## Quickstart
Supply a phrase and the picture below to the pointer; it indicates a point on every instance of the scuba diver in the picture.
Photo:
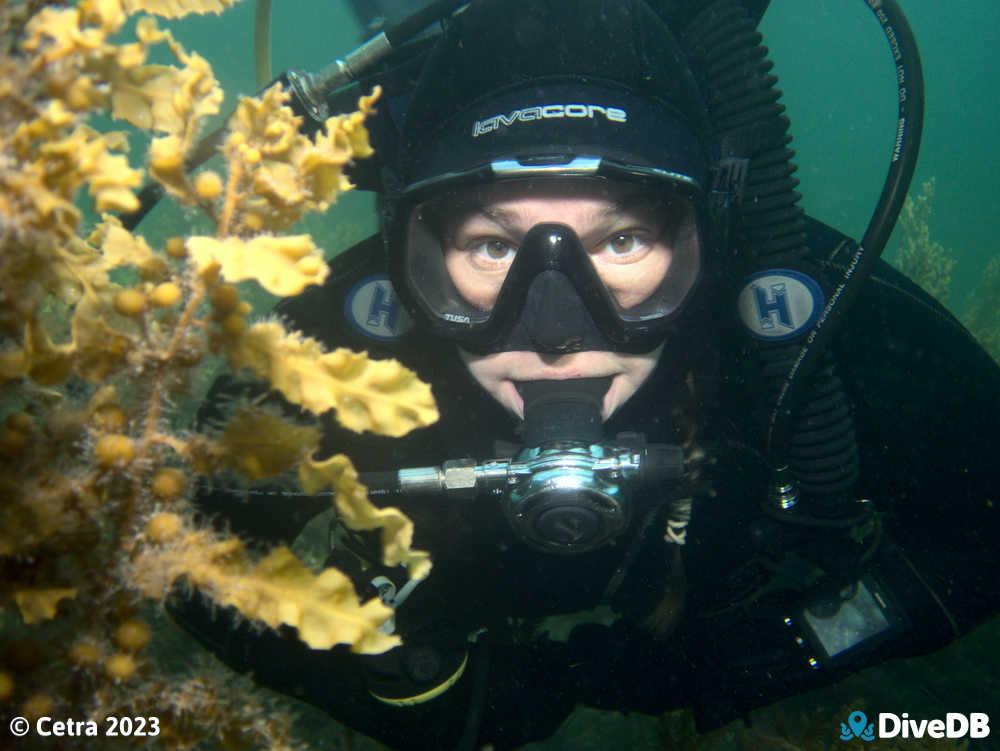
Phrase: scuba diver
(696, 449)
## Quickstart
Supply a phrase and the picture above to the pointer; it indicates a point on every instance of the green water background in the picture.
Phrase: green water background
(838, 80)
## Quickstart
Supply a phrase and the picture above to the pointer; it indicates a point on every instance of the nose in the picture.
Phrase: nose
(554, 315)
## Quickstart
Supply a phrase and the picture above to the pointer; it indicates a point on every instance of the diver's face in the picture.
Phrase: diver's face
(623, 234)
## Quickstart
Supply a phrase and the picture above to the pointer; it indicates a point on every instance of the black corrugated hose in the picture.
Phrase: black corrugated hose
(809, 424)
(909, 78)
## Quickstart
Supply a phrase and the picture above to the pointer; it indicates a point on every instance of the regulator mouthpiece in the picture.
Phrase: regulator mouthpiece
(567, 410)
(561, 504)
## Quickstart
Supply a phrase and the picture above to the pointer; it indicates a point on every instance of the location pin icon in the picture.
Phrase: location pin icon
(857, 721)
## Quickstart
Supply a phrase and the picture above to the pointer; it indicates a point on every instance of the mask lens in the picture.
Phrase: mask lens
(428, 274)
(643, 243)
(649, 268)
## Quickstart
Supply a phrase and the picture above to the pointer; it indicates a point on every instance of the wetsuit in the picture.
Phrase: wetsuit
(926, 409)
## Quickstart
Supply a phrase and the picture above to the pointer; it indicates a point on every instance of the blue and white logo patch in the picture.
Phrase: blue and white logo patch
(779, 304)
(373, 308)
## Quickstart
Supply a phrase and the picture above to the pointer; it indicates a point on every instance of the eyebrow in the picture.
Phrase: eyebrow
(508, 219)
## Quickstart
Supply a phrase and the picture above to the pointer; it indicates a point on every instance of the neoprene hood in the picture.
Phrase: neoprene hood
(528, 78)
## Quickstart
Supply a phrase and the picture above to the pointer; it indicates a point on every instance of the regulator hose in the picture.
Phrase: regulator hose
(749, 123)
(910, 84)
(809, 428)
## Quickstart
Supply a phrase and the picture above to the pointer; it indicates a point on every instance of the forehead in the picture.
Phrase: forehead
(553, 189)
(601, 197)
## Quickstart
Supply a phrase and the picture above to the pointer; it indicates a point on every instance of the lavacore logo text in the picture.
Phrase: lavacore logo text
(548, 112)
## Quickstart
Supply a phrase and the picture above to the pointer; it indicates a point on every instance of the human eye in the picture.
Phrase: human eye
(490, 253)
(624, 247)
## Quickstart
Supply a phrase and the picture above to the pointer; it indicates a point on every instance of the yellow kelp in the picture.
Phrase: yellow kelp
(103, 331)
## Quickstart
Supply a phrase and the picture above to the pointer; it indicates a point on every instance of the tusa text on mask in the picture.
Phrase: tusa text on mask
(954, 725)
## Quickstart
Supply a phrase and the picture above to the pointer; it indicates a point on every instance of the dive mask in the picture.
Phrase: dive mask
(543, 288)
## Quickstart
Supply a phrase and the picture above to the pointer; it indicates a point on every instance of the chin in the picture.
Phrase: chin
(498, 373)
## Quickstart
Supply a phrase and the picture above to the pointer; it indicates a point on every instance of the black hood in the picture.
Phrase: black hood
(612, 73)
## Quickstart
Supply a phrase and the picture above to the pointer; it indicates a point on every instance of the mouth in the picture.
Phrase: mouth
(500, 373)
(601, 388)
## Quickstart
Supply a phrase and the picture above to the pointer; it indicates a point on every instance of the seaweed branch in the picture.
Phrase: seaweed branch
(926, 262)
(101, 333)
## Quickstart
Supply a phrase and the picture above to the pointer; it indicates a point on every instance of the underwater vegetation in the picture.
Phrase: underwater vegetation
(930, 265)
(101, 337)
(925, 261)
(982, 313)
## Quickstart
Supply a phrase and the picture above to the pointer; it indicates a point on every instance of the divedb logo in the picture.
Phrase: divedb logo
(954, 725)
